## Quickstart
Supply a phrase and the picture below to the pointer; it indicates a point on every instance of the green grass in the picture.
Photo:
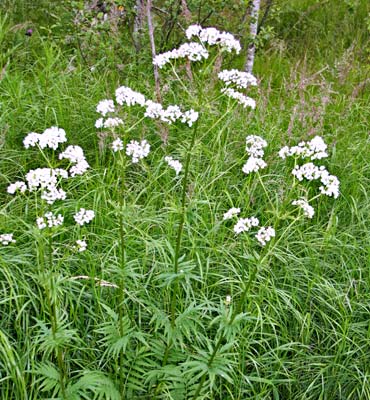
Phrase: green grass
(297, 326)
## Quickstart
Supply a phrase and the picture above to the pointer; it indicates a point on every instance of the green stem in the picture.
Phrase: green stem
(181, 222)
(223, 337)
(54, 322)
(122, 262)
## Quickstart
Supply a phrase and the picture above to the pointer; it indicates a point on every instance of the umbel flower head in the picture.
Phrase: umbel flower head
(265, 234)
(137, 150)
(6, 239)
(84, 216)
(49, 220)
(51, 137)
(175, 164)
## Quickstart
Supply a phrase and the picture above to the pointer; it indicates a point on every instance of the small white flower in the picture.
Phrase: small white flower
(31, 140)
(17, 186)
(99, 123)
(213, 36)
(192, 51)
(309, 171)
(242, 80)
(76, 156)
(245, 101)
(228, 300)
(254, 145)
(51, 137)
(84, 216)
(331, 184)
(6, 239)
(315, 149)
(49, 220)
(81, 245)
(308, 210)
(189, 117)
(231, 213)
(153, 109)
(41, 224)
(104, 107)
(125, 95)
(265, 234)
(245, 224)
(117, 145)
(193, 30)
(52, 194)
(253, 164)
(112, 122)
(137, 150)
(175, 164)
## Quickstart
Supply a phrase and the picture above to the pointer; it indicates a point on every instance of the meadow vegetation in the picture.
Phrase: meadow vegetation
(151, 278)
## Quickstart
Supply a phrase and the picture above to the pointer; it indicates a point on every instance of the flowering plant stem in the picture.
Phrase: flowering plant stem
(181, 222)
(179, 237)
(51, 303)
(222, 337)
(121, 182)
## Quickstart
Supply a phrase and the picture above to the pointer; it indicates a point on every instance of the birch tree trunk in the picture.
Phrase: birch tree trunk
(152, 44)
(253, 32)
(138, 23)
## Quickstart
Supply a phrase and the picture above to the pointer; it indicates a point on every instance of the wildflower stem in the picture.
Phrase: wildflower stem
(236, 311)
(122, 262)
(181, 222)
(54, 321)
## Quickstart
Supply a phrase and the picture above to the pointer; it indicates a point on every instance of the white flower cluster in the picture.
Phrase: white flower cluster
(52, 194)
(308, 171)
(253, 164)
(315, 149)
(245, 224)
(175, 164)
(117, 145)
(46, 179)
(231, 213)
(111, 122)
(83, 216)
(308, 210)
(6, 238)
(213, 36)
(14, 187)
(104, 107)
(49, 220)
(311, 172)
(51, 137)
(137, 150)
(170, 114)
(81, 245)
(192, 51)
(245, 101)
(254, 147)
(241, 79)
(265, 234)
(125, 95)
(76, 156)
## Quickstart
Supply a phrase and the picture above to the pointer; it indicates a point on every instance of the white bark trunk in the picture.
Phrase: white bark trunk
(152, 44)
(138, 23)
(253, 32)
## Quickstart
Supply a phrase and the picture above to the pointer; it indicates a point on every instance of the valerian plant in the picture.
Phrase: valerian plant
(170, 320)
